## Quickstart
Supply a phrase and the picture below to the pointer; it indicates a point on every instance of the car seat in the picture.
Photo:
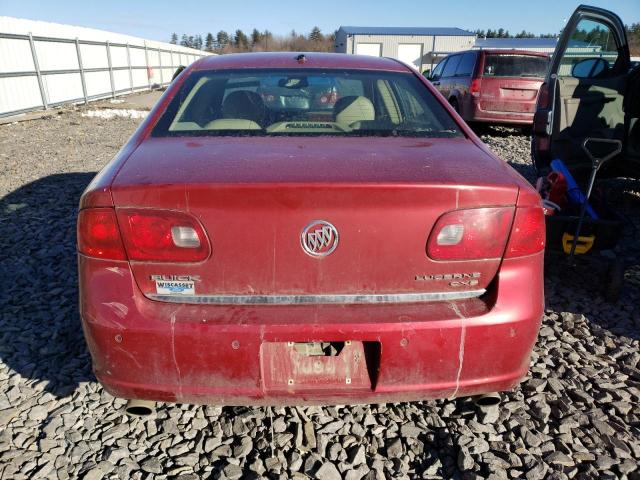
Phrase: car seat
(241, 110)
(351, 111)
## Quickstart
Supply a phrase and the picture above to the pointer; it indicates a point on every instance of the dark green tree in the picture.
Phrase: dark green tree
(256, 37)
(174, 38)
(223, 38)
(197, 42)
(316, 35)
(240, 40)
(208, 43)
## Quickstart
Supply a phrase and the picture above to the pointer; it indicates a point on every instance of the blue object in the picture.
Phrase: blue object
(574, 194)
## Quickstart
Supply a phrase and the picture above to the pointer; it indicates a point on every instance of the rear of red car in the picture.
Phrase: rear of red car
(258, 269)
(506, 85)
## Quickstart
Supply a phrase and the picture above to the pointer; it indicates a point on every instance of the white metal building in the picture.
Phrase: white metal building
(422, 47)
(46, 64)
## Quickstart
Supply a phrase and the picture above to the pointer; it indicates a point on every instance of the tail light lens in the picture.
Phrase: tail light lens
(543, 96)
(162, 236)
(470, 234)
(98, 234)
(528, 232)
(542, 116)
(328, 98)
(474, 88)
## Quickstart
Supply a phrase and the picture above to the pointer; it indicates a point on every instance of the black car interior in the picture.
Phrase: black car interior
(368, 103)
(596, 97)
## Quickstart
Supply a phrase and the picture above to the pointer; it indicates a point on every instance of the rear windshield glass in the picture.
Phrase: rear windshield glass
(515, 66)
(304, 102)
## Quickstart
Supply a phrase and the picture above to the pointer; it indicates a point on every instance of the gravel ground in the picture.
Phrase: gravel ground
(576, 415)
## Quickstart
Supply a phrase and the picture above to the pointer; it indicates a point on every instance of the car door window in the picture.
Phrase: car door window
(465, 67)
(451, 66)
(591, 52)
(437, 72)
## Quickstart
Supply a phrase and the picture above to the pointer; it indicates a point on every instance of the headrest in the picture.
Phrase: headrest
(243, 104)
(349, 110)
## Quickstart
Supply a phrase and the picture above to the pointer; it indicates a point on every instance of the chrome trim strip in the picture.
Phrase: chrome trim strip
(349, 299)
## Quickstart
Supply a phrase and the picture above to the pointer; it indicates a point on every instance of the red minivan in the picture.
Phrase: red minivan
(492, 86)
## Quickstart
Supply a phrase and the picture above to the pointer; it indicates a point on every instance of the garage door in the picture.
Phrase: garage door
(373, 49)
(410, 53)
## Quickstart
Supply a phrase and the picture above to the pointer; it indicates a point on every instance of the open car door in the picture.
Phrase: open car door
(584, 96)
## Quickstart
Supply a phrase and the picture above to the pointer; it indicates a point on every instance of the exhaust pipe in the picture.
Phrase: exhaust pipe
(487, 401)
(140, 408)
(488, 406)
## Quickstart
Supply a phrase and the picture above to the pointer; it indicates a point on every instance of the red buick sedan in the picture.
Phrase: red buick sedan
(234, 253)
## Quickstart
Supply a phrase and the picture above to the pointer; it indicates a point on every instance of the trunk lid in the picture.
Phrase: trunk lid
(514, 95)
(254, 197)
(511, 81)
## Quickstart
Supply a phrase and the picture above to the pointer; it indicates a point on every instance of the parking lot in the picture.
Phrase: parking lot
(575, 415)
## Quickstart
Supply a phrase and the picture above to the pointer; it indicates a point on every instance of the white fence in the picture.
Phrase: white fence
(41, 71)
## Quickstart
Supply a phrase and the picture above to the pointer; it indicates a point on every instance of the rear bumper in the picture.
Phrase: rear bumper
(218, 354)
(502, 117)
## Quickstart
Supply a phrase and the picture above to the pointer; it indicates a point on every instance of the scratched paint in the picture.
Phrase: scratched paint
(118, 308)
(173, 354)
(463, 334)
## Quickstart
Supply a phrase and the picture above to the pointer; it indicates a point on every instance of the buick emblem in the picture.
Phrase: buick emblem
(319, 238)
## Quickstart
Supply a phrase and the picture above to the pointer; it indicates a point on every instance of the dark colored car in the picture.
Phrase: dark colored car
(492, 86)
(236, 255)
(590, 91)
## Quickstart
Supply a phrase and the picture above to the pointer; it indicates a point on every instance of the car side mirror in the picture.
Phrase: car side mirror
(589, 68)
(178, 71)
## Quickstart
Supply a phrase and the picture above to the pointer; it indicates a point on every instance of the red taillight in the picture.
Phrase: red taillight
(328, 98)
(542, 118)
(98, 234)
(162, 236)
(474, 88)
(528, 232)
(541, 144)
(543, 96)
(470, 234)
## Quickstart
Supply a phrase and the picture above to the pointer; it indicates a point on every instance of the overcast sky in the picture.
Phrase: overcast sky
(157, 19)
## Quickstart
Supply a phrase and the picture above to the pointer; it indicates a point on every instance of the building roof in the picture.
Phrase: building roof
(22, 26)
(523, 43)
(415, 31)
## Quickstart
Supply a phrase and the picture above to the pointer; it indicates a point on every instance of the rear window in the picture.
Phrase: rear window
(304, 102)
(503, 65)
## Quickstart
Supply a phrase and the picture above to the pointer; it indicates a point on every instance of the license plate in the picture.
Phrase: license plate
(299, 367)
